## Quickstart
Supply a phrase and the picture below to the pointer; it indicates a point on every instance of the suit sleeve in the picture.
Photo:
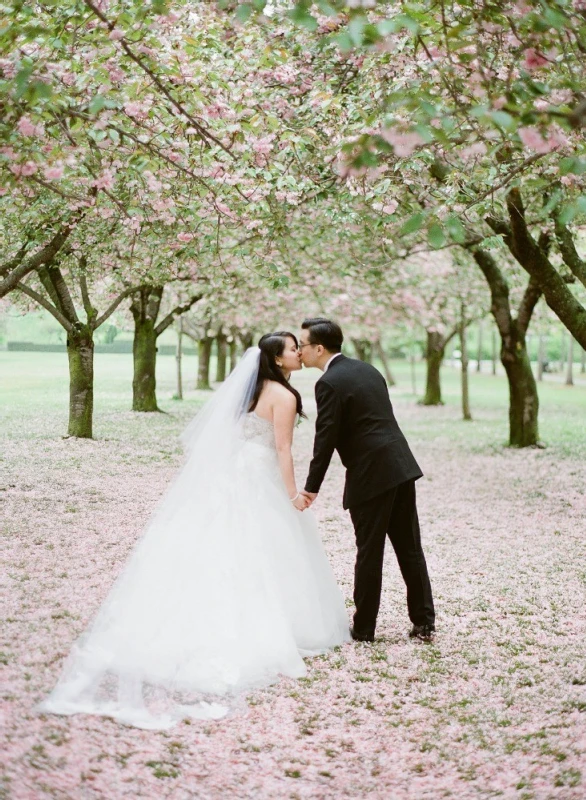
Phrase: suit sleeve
(327, 426)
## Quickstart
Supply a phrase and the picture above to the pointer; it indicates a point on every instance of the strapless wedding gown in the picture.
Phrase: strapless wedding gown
(228, 588)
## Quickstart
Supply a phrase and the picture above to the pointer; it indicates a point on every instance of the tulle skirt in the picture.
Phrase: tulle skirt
(228, 588)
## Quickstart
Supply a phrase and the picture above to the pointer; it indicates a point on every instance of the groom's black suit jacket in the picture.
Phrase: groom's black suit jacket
(355, 417)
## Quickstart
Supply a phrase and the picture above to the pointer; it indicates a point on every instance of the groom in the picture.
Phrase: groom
(355, 417)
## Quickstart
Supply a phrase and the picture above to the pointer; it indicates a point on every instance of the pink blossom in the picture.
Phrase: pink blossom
(53, 173)
(403, 143)
(137, 109)
(26, 127)
(390, 207)
(263, 145)
(224, 209)
(105, 180)
(185, 237)
(9, 152)
(476, 149)
(533, 59)
(8, 68)
(532, 138)
(153, 183)
(116, 35)
(26, 169)
(115, 73)
(133, 109)
(557, 137)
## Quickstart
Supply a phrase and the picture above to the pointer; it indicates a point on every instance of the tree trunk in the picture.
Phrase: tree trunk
(534, 258)
(562, 353)
(540, 357)
(363, 350)
(523, 398)
(179, 359)
(145, 310)
(493, 353)
(204, 351)
(80, 352)
(436, 347)
(413, 372)
(246, 339)
(464, 361)
(144, 351)
(233, 354)
(570, 366)
(222, 354)
(479, 350)
(385, 363)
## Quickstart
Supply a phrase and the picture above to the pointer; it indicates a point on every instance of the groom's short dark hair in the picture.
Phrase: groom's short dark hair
(325, 332)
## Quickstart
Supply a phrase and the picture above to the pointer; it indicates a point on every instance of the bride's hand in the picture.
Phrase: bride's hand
(301, 503)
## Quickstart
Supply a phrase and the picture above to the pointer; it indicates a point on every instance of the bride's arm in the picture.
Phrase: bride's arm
(284, 411)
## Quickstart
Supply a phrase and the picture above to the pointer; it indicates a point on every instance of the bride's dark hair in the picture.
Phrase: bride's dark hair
(271, 347)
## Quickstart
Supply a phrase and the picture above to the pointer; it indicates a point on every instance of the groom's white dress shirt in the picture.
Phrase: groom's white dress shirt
(330, 361)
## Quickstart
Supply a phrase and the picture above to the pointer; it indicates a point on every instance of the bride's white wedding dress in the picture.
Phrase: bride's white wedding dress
(228, 588)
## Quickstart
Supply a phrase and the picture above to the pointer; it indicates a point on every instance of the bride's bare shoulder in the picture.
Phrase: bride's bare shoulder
(279, 393)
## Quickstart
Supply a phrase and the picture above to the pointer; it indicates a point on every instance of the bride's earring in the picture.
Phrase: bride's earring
(279, 363)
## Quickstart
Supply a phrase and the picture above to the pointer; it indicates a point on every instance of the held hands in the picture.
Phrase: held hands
(303, 500)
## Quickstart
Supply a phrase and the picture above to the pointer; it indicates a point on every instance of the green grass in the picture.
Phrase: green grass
(562, 415)
(41, 380)
(37, 384)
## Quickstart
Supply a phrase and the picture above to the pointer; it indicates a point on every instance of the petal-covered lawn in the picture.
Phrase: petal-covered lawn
(496, 707)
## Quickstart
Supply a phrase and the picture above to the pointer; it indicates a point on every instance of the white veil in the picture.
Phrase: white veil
(212, 432)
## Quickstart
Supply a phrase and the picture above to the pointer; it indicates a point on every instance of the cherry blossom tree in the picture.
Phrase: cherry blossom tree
(63, 289)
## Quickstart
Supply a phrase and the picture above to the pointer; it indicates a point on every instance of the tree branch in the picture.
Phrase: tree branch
(85, 295)
(49, 288)
(43, 256)
(112, 308)
(15, 261)
(530, 297)
(154, 298)
(521, 239)
(205, 135)
(499, 289)
(535, 262)
(568, 251)
(38, 298)
(66, 304)
(177, 312)
(449, 337)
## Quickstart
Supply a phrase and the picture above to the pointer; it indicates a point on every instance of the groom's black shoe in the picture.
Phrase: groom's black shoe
(422, 632)
(361, 637)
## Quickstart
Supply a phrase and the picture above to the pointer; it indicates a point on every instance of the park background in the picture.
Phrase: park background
(177, 179)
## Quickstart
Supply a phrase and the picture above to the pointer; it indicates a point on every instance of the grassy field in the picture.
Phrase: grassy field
(38, 383)
(493, 709)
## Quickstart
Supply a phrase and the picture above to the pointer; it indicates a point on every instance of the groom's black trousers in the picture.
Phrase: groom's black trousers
(392, 514)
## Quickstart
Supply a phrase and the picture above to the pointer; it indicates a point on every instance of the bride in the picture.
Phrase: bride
(229, 586)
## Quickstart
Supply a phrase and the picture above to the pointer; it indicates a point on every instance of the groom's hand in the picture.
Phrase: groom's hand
(301, 503)
(309, 495)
